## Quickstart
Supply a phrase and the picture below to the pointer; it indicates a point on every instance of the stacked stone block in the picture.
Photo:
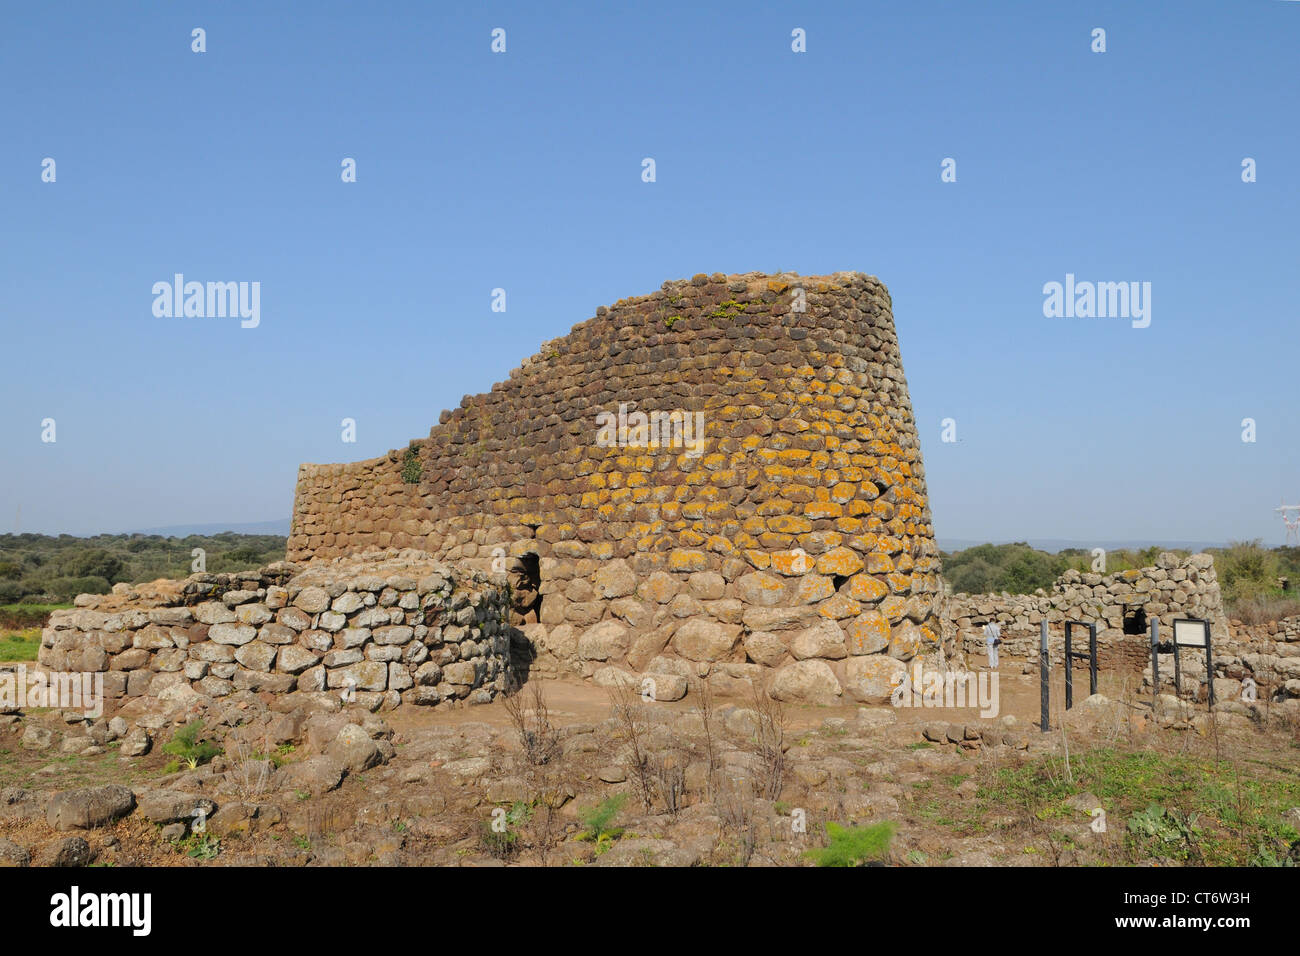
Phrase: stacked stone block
(379, 629)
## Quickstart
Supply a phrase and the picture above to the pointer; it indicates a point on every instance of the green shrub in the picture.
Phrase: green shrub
(412, 469)
(1016, 568)
(597, 820)
(68, 588)
(1246, 570)
(189, 745)
(91, 563)
(854, 846)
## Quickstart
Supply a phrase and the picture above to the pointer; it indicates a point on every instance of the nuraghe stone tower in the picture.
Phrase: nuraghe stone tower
(715, 480)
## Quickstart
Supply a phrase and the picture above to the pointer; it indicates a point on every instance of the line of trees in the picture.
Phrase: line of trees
(39, 569)
(1248, 571)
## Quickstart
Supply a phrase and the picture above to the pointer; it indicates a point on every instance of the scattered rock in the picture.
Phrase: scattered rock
(11, 854)
(36, 737)
(73, 851)
(170, 806)
(136, 744)
(89, 808)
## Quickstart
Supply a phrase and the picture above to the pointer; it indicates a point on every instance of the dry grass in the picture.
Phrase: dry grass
(1262, 609)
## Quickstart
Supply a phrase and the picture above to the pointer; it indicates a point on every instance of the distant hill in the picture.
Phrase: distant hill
(1055, 545)
(279, 527)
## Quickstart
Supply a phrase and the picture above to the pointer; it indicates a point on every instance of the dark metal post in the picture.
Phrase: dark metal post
(1209, 665)
(1044, 690)
(1178, 667)
(1069, 669)
(1155, 661)
(1092, 658)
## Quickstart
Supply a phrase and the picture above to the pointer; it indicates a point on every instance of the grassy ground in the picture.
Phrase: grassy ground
(20, 629)
(20, 645)
(1179, 809)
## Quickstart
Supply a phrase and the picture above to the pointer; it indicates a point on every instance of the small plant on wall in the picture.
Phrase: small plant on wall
(411, 467)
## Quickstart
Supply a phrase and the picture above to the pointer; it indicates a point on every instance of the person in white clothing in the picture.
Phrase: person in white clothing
(992, 638)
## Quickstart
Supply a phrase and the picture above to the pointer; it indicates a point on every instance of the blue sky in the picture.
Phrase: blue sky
(522, 171)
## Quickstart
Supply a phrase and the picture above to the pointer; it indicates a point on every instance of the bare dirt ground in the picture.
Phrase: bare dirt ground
(600, 777)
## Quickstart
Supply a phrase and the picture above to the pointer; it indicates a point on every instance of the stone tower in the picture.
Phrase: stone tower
(720, 477)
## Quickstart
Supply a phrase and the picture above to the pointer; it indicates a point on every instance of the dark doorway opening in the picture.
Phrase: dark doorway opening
(525, 608)
(527, 584)
(1135, 621)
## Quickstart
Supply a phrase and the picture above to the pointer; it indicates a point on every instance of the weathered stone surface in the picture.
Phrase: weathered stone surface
(871, 679)
(89, 808)
(136, 743)
(765, 648)
(256, 656)
(169, 806)
(663, 686)
(72, 851)
(354, 749)
(806, 682)
(11, 854)
(603, 641)
(825, 639)
(293, 659)
(213, 612)
(312, 600)
(347, 602)
(615, 580)
(36, 737)
(761, 589)
(366, 675)
(232, 634)
(316, 775)
(703, 640)
(868, 633)
(254, 614)
(659, 587)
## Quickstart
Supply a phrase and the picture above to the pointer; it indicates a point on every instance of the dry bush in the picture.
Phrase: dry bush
(627, 709)
(547, 829)
(708, 719)
(549, 786)
(249, 768)
(530, 717)
(734, 802)
(323, 821)
(669, 774)
(769, 743)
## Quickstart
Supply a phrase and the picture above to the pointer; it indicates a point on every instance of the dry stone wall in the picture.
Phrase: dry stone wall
(380, 629)
(1173, 588)
(782, 522)
(1267, 655)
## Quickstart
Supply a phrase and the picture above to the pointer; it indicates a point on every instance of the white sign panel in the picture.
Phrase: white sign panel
(1191, 633)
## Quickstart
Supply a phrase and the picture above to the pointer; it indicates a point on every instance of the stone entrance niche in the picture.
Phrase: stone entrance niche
(527, 584)
(1135, 621)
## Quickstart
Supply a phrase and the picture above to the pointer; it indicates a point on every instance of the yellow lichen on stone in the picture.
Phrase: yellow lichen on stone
(841, 561)
(864, 588)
